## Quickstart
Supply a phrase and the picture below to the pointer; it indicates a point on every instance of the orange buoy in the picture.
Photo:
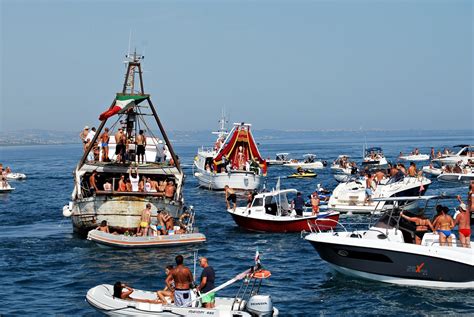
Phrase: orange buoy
(261, 274)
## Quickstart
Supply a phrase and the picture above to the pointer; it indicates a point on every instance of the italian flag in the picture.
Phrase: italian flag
(122, 104)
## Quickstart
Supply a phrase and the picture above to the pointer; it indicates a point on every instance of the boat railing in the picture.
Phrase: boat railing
(345, 227)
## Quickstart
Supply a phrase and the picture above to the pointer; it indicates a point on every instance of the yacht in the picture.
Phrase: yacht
(349, 197)
(461, 157)
(374, 158)
(386, 251)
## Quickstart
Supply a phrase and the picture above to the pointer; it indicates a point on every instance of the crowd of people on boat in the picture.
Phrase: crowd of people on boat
(129, 147)
(179, 283)
(134, 183)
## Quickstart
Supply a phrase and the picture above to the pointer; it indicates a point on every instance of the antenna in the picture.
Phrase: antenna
(129, 41)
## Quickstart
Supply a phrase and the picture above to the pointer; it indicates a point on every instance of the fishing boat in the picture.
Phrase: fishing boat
(309, 161)
(271, 212)
(234, 161)
(246, 303)
(460, 157)
(374, 158)
(387, 252)
(350, 197)
(280, 159)
(112, 199)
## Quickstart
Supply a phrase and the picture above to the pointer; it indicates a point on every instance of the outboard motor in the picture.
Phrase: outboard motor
(260, 305)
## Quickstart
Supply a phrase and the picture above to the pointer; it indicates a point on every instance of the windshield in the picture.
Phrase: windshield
(257, 202)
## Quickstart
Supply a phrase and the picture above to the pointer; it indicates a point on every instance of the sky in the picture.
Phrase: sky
(289, 65)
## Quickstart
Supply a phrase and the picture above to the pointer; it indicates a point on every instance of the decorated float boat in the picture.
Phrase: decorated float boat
(271, 212)
(113, 200)
(234, 161)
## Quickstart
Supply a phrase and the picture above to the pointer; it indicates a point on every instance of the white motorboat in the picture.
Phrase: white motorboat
(462, 157)
(5, 187)
(280, 159)
(374, 158)
(465, 177)
(271, 212)
(119, 204)
(309, 162)
(350, 197)
(434, 169)
(247, 302)
(387, 252)
(414, 157)
(342, 165)
(15, 176)
(234, 161)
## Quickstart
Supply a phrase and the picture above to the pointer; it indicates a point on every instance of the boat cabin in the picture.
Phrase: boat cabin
(273, 203)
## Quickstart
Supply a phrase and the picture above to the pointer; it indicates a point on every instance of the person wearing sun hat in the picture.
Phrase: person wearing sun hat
(83, 134)
(463, 221)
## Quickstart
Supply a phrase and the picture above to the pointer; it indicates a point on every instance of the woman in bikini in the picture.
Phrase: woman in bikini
(169, 288)
(422, 225)
(443, 224)
(120, 293)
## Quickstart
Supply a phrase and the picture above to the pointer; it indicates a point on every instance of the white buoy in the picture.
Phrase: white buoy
(66, 211)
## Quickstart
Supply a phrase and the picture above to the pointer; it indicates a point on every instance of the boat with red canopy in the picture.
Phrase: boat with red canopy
(234, 161)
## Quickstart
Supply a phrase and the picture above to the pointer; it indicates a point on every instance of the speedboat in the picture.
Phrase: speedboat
(309, 161)
(121, 206)
(414, 157)
(246, 303)
(5, 187)
(280, 159)
(271, 212)
(466, 176)
(461, 157)
(434, 169)
(234, 161)
(342, 165)
(15, 176)
(386, 252)
(374, 158)
(350, 197)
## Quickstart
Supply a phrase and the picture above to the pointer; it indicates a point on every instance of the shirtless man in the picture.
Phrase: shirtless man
(145, 220)
(103, 227)
(315, 203)
(154, 186)
(369, 189)
(161, 186)
(83, 136)
(93, 183)
(169, 190)
(128, 186)
(182, 280)
(104, 142)
(230, 197)
(122, 187)
(379, 175)
(119, 144)
(141, 145)
(412, 170)
(443, 224)
(463, 220)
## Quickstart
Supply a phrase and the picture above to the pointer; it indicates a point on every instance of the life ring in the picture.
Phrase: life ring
(261, 274)
(184, 217)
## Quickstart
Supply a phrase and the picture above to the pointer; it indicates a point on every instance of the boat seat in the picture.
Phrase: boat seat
(432, 239)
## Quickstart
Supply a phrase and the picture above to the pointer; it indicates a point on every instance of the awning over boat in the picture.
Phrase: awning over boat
(122, 103)
(240, 146)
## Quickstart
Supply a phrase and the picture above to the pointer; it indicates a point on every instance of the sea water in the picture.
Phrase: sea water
(46, 269)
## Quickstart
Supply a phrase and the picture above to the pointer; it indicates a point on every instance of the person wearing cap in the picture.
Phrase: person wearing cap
(297, 204)
(463, 221)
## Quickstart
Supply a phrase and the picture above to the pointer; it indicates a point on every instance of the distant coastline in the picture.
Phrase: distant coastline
(50, 137)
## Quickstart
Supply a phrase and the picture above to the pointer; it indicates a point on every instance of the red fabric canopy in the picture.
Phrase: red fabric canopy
(240, 148)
